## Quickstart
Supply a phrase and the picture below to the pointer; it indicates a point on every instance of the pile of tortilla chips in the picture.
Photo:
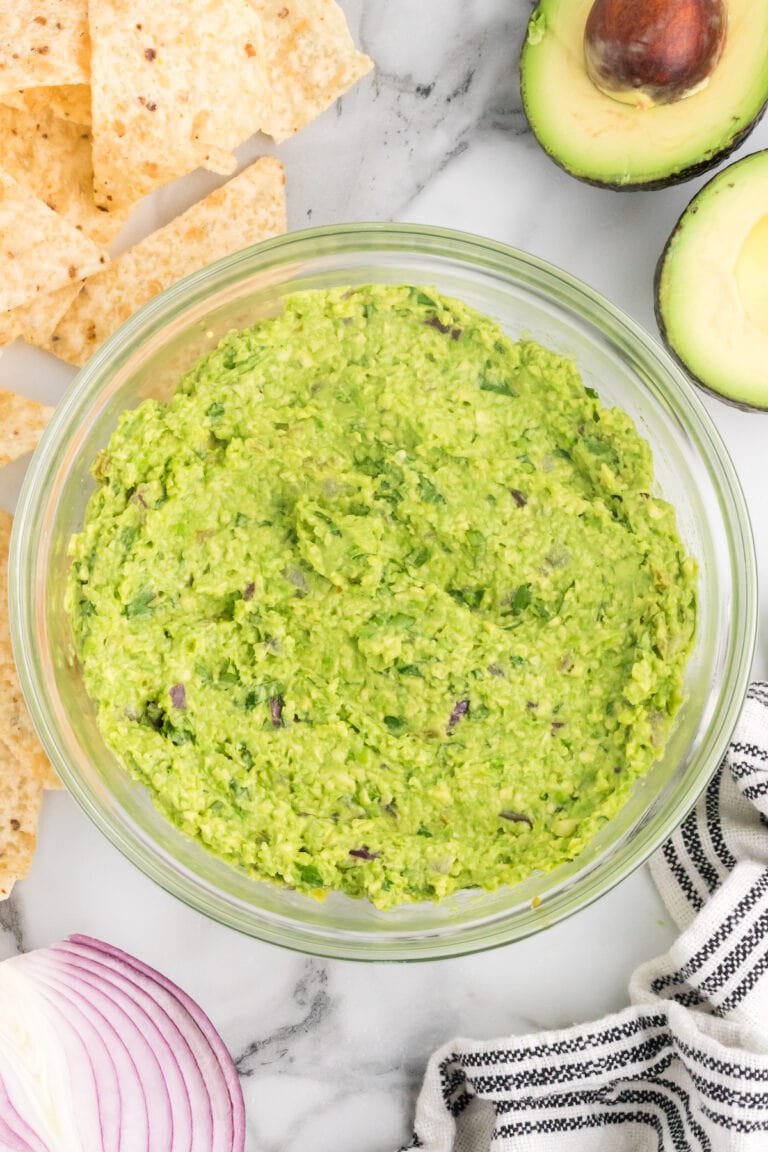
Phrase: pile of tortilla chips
(24, 767)
(102, 101)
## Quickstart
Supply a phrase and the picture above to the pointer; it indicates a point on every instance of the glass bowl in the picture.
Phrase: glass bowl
(147, 356)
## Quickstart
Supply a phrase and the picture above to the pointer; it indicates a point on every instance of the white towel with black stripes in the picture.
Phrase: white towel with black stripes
(685, 1067)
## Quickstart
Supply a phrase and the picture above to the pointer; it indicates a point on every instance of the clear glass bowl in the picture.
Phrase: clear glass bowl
(146, 358)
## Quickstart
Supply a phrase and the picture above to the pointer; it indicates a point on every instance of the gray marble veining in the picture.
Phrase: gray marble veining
(444, 72)
(11, 927)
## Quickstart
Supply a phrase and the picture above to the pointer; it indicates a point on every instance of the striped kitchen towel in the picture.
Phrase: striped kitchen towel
(685, 1067)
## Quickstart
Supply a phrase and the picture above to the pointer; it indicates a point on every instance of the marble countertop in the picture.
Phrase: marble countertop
(331, 1054)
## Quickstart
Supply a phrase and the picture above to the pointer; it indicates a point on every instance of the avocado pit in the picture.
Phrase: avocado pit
(598, 138)
(651, 52)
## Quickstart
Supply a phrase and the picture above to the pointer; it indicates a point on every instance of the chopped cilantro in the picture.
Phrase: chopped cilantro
(309, 874)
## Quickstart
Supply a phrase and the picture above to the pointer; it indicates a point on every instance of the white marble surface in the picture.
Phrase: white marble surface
(331, 1054)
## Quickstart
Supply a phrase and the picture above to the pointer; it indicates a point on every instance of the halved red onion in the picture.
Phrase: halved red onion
(98, 1051)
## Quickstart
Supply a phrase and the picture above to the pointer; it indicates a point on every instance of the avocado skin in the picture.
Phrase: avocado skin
(678, 177)
(660, 321)
(692, 375)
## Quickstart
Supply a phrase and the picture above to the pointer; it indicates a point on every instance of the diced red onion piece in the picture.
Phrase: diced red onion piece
(179, 696)
(460, 709)
(364, 853)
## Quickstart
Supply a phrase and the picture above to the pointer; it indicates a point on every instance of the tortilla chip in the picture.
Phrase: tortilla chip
(9, 325)
(20, 797)
(52, 158)
(311, 61)
(174, 85)
(17, 736)
(24, 768)
(68, 102)
(36, 322)
(21, 425)
(39, 249)
(43, 42)
(251, 207)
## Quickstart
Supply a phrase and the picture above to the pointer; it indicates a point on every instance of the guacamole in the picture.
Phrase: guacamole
(382, 601)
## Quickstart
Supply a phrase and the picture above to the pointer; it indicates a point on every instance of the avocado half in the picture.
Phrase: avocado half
(615, 145)
(711, 285)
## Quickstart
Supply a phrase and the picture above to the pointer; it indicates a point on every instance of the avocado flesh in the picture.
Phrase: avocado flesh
(605, 142)
(712, 285)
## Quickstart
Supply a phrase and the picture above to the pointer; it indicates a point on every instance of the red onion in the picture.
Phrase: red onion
(100, 1052)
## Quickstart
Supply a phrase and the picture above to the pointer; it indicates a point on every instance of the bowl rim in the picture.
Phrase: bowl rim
(480, 253)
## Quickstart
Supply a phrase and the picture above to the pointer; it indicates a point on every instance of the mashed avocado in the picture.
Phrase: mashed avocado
(382, 601)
